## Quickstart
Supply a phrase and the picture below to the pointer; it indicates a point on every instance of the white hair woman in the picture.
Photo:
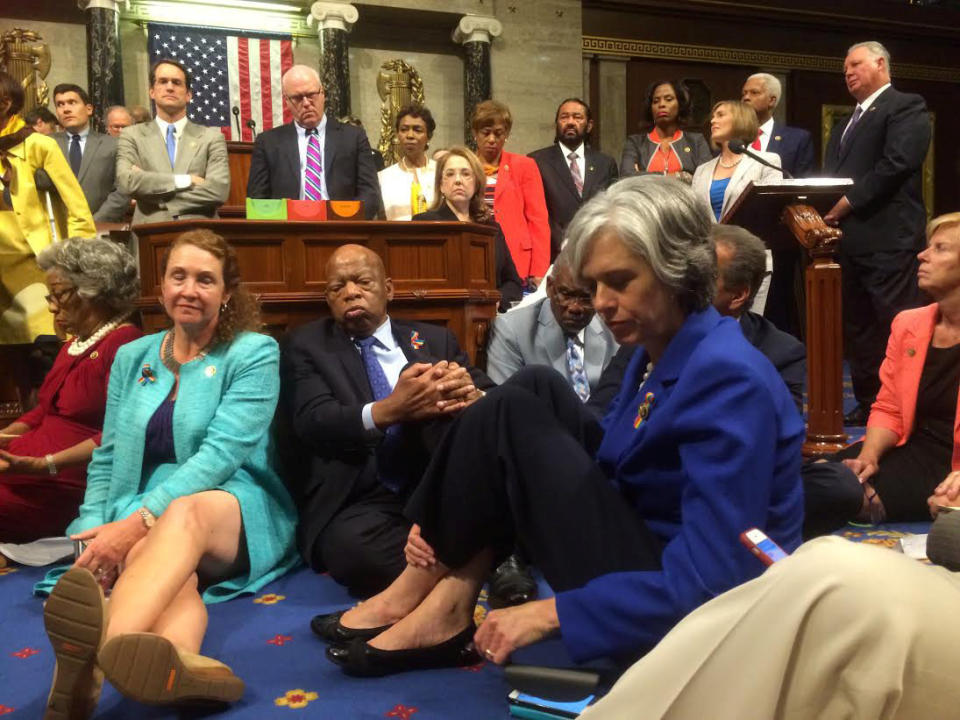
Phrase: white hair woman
(634, 522)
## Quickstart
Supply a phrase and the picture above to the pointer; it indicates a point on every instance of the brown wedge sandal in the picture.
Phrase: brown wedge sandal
(75, 619)
(148, 668)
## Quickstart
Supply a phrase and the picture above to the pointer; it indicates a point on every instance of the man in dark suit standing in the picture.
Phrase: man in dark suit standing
(882, 148)
(315, 157)
(572, 173)
(762, 92)
(365, 398)
(92, 155)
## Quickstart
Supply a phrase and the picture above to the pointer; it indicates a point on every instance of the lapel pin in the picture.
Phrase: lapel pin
(146, 375)
(94, 355)
(873, 108)
(686, 148)
(644, 410)
(911, 352)
(415, 342)
(210, 371)
(777, 138)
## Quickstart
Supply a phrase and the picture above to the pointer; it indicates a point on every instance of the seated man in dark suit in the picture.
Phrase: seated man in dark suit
(315, 157)
(92, 155)
(365, 397)
(741, 264)
(562, 331)
(572, 172)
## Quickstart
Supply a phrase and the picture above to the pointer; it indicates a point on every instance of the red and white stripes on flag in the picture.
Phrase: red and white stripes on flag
(254, 68)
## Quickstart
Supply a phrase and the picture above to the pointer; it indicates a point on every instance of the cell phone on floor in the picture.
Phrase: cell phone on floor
(546, 707)
(766, 550)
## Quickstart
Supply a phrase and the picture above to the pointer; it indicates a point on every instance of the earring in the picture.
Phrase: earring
(223, 308)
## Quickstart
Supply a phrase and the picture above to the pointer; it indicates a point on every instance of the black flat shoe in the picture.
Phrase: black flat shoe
(857, 417)
(360, 659)
(329, 629)
(511, 584)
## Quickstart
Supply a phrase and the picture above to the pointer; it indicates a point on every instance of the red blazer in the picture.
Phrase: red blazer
(896, 405)
(520, 209)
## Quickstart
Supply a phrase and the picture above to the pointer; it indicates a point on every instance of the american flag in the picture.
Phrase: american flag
(227, 71)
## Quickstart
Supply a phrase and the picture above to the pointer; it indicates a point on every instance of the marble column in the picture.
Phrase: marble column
(104, 73)
(475, 33)
(612, 79)
(334, 20)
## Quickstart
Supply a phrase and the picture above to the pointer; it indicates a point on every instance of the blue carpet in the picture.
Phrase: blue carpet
(268, 642)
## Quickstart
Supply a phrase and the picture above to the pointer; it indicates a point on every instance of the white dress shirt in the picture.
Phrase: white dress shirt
(83, 139)
(302, 144)
(580, 160)
(391, 358)
(766, 130)
(183, 180)
(864, 106)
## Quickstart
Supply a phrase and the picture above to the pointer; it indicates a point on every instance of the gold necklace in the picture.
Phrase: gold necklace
(171, 363)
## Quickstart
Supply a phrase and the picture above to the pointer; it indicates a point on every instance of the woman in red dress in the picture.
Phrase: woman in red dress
(44, 453)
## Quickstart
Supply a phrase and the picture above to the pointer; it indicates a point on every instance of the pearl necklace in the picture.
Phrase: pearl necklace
(79, 347)
(404, 165)
(171, 363)
(731, 165)
(646, 375)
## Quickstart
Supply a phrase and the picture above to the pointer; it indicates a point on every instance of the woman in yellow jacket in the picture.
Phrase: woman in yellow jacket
(24, 223)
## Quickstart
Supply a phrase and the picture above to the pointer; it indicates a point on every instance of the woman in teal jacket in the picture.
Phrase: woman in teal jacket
(182, 505)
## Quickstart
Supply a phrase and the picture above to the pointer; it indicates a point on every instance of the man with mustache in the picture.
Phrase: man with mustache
(572, 172)
(365, 397)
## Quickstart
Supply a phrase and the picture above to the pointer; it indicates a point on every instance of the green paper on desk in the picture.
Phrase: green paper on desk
(266, 209)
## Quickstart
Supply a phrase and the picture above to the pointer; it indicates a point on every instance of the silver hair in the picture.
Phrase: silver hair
(299, 69)
(106, 113)
(661, 220)
(748, 260)
(102, 270)
(876, 50)
(772, 85)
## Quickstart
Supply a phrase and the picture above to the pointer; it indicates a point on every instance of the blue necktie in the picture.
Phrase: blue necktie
(75, 154)
(171, 144)
(578, 377)
(389, 466)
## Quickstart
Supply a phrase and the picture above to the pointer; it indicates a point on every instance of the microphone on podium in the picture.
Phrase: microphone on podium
(739, 148)
(252, 124)
(236, 118)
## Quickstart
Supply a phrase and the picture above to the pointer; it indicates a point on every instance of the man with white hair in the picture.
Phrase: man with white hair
(882, 148)
(762, 92)
(115, 119)
(315, 157)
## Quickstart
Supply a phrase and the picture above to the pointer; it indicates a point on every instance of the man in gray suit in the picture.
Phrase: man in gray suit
(174, 168)
(92, 155)
(561, 330)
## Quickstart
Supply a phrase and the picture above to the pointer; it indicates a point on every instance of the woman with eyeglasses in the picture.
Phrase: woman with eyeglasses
(92, 285)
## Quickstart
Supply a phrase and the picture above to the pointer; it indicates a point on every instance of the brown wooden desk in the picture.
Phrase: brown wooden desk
(443, 272)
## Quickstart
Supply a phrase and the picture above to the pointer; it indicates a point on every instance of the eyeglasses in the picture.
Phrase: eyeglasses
(311, 96)
(58, 297)
(569, 297)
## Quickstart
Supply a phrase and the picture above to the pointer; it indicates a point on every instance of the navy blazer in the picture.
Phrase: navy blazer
(324, 387)
(348, 166)
(795, 148)
(788, 355)
(718, 453)
(884, 155)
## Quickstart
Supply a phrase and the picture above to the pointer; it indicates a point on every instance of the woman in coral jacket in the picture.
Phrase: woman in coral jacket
(514, 192)
(909, 461)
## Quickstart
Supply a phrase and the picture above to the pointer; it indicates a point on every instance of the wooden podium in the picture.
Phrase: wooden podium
(443, 272)
(783, 215)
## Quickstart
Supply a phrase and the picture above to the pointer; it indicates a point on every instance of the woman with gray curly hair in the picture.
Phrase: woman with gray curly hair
(92, 285)
(634, 521)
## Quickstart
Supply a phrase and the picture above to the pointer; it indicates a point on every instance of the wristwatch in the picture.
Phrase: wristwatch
(148, 518)
(51, 465)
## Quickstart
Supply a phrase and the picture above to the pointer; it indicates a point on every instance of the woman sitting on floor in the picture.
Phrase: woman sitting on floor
(181, 498)
(634, 522)
(461, 181)
(92, 285)
(912, 444)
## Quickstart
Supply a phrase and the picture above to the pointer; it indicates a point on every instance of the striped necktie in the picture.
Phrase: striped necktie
(313, 174)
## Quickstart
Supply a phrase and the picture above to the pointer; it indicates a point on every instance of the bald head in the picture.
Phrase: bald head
(303, 93)
(358, 289)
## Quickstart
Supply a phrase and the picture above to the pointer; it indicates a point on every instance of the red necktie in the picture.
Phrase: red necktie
(756, 143)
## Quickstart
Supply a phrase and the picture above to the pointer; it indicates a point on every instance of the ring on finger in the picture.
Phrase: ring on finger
(489, 653)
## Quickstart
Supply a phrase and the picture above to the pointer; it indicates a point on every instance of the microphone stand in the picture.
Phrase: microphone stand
(236, 119)
(739, 148)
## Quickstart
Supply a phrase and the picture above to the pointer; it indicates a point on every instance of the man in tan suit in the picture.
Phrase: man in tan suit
(172, 167)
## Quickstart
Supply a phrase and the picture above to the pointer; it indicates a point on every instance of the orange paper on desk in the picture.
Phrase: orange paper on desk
(306, 210)
(345, 210)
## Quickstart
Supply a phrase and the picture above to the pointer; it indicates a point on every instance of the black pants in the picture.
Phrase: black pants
(517, 467)
(875, 288)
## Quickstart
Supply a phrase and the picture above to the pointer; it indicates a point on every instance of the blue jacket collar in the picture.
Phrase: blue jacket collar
(678, 352)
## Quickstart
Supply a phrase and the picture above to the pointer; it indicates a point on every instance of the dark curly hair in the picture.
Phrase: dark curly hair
(683, 101)
(242, 311)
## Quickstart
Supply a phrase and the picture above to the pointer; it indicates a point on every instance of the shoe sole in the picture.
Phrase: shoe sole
(147, 668)
(74, 617)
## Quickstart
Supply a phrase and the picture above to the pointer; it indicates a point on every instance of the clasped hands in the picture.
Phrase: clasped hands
(24, 464)
(107, 547)
(425, 391)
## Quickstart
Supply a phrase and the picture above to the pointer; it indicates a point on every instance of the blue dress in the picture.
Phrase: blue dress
(221, 439)
(718, 188)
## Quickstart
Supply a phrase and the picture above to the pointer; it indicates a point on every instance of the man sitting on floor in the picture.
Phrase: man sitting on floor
(365, 397)
(561, 330)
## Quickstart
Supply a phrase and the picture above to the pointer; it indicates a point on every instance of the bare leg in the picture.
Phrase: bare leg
(184, 622)
(396, 601)
(202, 527)
(445, 611)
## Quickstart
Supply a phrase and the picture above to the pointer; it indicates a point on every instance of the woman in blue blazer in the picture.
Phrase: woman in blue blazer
(634, 522)
(182, 505)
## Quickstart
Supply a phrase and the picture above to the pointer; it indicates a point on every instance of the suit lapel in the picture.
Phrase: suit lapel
(559, 163)
(738, 180)
(349, 358)
(408, 338)
(774, 145)
(554, 343)
(589, 171)
(154, 146)
(331, 139)
(187, 148)
(89, 153)
(866, 120)
(594, 348)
